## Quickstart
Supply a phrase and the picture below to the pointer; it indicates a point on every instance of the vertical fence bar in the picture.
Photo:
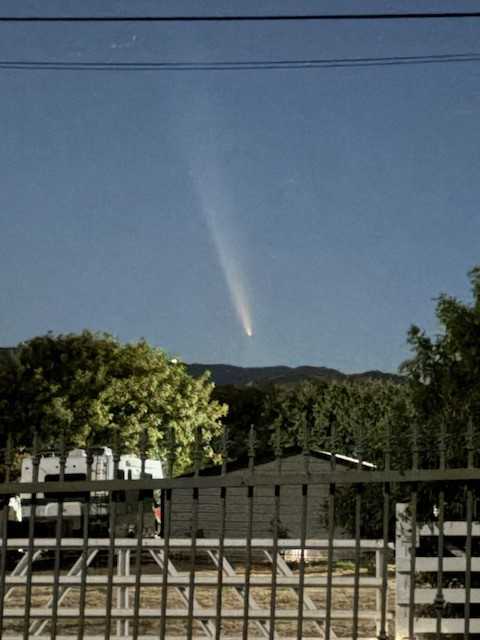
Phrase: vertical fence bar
(468, 542)
(126, 590)
(31, 536)
(121, 623)
(276, 521)
(120, 555)
(112, 503)
(138, 549)
(167, 516)
(248, 551)
(194, 531)
(58, 540)
(439, 599)
(383, 635)
(221, 541)
(331, 530)
(413, 537)
(4, 529)
(86, 533)
(358, 514)
(303, 522)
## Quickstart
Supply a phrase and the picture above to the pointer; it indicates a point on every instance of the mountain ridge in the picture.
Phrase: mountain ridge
(227, 374)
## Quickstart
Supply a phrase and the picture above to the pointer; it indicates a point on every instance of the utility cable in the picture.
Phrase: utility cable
(43, 65)
(315, 17)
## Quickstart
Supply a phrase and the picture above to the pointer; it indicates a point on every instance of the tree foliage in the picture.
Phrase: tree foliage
(361, 412)
(246, 407)
(444, 376)
(93, 389)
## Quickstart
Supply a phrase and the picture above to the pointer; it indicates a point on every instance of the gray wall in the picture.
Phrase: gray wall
(264, 506)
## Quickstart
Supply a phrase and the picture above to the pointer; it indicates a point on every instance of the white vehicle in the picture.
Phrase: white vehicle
(126, 502)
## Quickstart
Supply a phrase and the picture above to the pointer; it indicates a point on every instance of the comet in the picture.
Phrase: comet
(218, 213)
(229, 265)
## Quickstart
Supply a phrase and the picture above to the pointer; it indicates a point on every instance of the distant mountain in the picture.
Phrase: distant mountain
(223, 374)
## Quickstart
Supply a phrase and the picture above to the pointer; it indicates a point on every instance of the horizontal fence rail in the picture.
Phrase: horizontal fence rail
(186, 543)
(460, 475)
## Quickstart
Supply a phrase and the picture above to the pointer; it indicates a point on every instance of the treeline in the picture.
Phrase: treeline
(352, 418)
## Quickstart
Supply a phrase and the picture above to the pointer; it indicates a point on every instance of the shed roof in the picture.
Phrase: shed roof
(289, 452)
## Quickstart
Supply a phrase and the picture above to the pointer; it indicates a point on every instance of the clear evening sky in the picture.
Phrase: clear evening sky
(338, 202)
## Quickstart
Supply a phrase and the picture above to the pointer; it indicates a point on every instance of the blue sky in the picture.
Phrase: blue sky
(345, 200)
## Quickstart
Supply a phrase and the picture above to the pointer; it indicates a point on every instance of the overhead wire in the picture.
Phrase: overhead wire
(431, 15)
(44, 65)
(237, 65)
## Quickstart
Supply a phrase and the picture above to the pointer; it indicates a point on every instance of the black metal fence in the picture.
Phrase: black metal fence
(95, 581)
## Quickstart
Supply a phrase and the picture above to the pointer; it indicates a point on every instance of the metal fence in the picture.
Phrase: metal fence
(142, 586)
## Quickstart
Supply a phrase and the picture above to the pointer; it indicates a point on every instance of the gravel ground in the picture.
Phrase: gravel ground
(150, 598)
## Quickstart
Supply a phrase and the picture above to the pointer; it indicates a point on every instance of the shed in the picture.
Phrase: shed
(236, 522)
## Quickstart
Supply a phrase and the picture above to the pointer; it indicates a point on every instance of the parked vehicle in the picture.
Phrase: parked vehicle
(99, 502)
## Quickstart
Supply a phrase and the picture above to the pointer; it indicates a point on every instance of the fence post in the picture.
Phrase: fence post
(378, 591)
(402, 578)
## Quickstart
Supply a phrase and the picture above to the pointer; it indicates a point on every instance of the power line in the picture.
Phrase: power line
(434, 15)
(32, 65)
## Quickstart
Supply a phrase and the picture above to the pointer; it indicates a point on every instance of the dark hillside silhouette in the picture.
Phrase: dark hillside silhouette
(225, 374)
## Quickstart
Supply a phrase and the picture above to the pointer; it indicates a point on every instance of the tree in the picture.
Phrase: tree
(361, 411)
(245, 408)
(93, 389)
(444, 377)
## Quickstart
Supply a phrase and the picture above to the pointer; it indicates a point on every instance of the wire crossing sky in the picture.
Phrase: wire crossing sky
(314, 182)
(245, 17)
(267, 65)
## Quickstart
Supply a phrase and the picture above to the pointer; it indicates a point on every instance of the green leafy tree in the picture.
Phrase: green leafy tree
(246, 407)
(444, 383)
(361, 411)
(93, 389)
(444, 377)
